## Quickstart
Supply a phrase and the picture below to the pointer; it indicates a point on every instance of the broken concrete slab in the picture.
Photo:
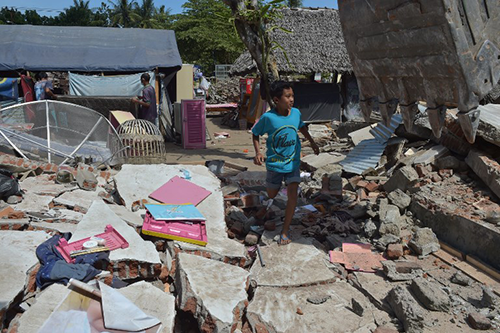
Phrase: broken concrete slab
(251, 179)
(153, 302)
(297, 264)
(276, 310)
(45, 185)
(450, 223)
(214, 295)
(98, 216)
(54, 226)
(430, 295)
(36, 315)
(77, 198)
(489, 123)
(424, 242)
(136, 182)
(406, 309)
(144, 295)
(34, 203)
(485, 168)
(313, 162)
(64, 216)
(17, 255)
(133, 219)
(431, 155)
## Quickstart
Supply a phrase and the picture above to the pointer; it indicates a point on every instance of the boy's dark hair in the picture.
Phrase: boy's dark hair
(145, 77)
(41, 75)
(277, 87)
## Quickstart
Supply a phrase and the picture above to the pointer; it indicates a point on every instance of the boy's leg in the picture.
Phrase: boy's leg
(291, 204)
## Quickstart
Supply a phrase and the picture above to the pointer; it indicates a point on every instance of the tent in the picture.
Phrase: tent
(87, 49)
(93, 50)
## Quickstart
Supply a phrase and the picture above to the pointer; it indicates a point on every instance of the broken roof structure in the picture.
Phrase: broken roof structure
(315, 32)
(87, 49)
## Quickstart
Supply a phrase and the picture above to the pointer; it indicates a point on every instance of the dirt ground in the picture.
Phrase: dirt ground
(237, 148)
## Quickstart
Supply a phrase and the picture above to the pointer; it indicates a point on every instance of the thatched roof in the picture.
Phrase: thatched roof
(316, 44)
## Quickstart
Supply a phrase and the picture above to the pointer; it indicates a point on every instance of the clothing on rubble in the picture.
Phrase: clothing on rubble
(54, 269)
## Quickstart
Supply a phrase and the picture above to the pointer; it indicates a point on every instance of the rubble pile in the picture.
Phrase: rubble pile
(394, 248)
(224, 91)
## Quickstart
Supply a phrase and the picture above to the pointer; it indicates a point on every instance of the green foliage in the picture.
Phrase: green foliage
(294, 3)
(205, 34)
(123, 14)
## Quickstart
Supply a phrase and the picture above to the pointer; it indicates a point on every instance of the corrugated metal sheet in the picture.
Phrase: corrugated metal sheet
(368, 152)
(383, 133)
(364, 156)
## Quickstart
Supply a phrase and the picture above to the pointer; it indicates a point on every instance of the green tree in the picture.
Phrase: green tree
(254, 22)
(11, 16)
(101, 16)
(147, 13)
(123, 14)
(205, 34)
(294, 3)
(77, 15)
(164, 18)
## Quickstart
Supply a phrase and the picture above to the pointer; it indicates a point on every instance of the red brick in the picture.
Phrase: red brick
(394, 251)
(133, 269)
(422, 170)
(445, 173)
(362, 183)
(372, 187)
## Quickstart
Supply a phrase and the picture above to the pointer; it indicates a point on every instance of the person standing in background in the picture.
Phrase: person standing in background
(147, 101)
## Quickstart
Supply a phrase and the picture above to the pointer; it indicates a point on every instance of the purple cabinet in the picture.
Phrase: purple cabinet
(193, 124)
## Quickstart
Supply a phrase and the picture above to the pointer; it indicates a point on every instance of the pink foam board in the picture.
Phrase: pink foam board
(112, 237)
(179, 191)
(194, 232)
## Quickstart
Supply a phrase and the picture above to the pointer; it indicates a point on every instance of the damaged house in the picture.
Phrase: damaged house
(315, 58)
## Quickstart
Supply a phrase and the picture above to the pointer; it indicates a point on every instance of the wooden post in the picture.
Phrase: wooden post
(157, 86)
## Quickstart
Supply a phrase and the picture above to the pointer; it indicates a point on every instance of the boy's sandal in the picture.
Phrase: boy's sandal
(284, 240)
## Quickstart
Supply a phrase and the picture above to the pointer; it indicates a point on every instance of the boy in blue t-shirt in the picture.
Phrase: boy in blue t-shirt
(283, 148)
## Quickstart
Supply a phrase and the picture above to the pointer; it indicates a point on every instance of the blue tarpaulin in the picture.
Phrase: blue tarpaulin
(87, 49)
(8, 89)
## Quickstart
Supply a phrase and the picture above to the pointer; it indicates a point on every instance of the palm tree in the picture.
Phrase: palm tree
(147, 12)
(123, 14)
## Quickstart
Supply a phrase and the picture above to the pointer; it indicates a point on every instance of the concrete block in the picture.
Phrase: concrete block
(390, 220)
(448, 162)
(394, 251)
(399, 199)
(401, 270)
(424, 242)
(214, 295)
(478, 321)
(406, 309)
(401, 179)
(430, 295)
(298, 263)
(485, 168)
(86, 180)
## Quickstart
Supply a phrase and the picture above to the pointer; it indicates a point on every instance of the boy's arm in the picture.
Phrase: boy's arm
(308, 136)
(259, 158)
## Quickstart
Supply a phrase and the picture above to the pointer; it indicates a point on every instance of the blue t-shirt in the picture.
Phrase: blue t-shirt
(283, 143)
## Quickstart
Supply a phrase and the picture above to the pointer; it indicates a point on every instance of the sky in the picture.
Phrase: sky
(54, 7)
